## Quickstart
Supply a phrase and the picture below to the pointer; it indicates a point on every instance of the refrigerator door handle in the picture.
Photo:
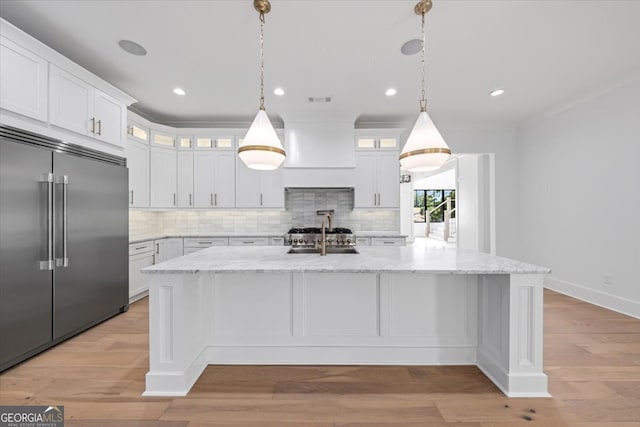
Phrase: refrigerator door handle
(64, 261)
(48, 263)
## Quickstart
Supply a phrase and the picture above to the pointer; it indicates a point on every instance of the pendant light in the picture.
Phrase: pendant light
(261, 148)
(425, 149)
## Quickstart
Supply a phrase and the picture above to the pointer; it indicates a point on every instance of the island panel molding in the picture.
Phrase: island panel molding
(210, 315)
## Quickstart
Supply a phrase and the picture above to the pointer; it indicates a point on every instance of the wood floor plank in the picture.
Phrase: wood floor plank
(592, 359)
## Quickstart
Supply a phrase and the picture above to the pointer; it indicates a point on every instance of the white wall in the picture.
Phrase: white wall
(441, 181)
(501, 142)
(568, 164)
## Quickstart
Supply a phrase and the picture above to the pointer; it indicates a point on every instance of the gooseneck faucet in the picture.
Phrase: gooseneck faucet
(323, 239)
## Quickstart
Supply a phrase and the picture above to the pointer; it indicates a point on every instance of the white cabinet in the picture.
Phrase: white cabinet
(214, 177)
(138, 164)
(79, 107)
(163, 177)
(137, 132)
(166, 249)
(194, 244)
(377, 179)
(23, 81)
(258, 189)
(141, 255)
(248, 241)
(185, 179)
(388, 241)
(371, 141)
(363, 241)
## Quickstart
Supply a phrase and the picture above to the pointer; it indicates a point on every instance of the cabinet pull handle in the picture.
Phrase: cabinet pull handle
(158, 248)
(375, 199)
(174, 199)
(64, 261)
(99, 122)
(388, 243)
(131, 200)
(378, 199)
(48, 263)
(141, 247)
(211, 199)
(205, 243)
(93, 125)
(216, 199)
(190, 199)
(260, 199)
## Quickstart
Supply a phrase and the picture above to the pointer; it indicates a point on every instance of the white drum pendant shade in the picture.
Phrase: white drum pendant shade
(425, 149)
(261, 149)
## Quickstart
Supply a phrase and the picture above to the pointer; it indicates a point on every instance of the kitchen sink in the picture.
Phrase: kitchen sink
(317, 251)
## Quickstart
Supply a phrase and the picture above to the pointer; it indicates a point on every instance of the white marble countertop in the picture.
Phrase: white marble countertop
(371, 259)
(159, 236)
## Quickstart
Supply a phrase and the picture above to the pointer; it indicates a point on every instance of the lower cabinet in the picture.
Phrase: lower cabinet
(248, 241)
(145, 254)
(195, 244)
(141, 255)
(388, 241)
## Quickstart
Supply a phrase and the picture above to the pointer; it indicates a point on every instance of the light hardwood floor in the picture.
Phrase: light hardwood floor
(592, 357)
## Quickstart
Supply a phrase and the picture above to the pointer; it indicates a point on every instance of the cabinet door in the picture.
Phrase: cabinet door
(70, 102)
(23, 81)
(160, 251)
(272, 189)
(163, 178)
(110, 116)
(247, 186)
(388, 179)
(185, 179)
(203, 172)
(138, 282)
(224, 174)
(138, 163)
(365, 194)
(173, 248)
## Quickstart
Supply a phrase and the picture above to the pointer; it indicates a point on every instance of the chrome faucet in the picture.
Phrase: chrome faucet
(323, 239)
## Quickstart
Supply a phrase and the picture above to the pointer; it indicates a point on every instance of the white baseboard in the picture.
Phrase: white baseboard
(595, 297)
(138, 295)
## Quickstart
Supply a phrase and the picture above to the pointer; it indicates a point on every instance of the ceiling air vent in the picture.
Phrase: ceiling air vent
(319, 99)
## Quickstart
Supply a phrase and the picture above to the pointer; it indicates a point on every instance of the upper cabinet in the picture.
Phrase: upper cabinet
(79, 107)
(23, 81)
(44, 92)
(258, 189)
(138, 164)
(377, 171)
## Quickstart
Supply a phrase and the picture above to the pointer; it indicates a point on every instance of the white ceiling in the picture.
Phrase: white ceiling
(546, 54)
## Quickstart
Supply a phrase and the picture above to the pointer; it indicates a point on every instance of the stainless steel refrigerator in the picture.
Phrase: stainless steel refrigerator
(63, 241)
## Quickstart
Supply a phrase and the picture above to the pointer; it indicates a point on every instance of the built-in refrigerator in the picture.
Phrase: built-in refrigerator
(63, 241)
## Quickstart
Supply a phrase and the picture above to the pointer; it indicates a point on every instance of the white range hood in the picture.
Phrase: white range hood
(320, 150)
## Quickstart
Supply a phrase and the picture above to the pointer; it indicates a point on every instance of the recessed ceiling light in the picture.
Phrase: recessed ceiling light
(496, 92)
(279, 91)
(132, 47)
(411, 47)
(179, 91)
(390, 92)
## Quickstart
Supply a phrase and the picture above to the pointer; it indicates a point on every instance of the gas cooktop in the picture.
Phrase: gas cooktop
(317, 230)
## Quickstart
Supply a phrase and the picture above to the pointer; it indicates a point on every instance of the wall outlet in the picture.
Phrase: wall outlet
(608, 279)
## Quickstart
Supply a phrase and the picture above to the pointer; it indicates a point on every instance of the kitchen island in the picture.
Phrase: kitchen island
(383, 306)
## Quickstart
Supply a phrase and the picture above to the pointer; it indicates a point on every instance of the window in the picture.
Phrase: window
(427, 200)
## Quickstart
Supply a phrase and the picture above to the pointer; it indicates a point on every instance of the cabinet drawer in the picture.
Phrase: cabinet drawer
(387, 241)
(363, 241)
(142, 247)
(188, 251)
(204, 242)
(277, 241)
(249, 241)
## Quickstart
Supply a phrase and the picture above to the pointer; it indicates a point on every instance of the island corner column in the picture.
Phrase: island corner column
(510, 333)
(177, 352)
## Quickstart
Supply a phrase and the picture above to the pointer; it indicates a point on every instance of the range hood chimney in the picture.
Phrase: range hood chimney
(320, 150)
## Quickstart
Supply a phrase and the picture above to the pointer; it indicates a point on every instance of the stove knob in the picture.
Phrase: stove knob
(342, 241)
(306, 241)
(295, 240)
(290, 241)
(348, 240)
(329, 240)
